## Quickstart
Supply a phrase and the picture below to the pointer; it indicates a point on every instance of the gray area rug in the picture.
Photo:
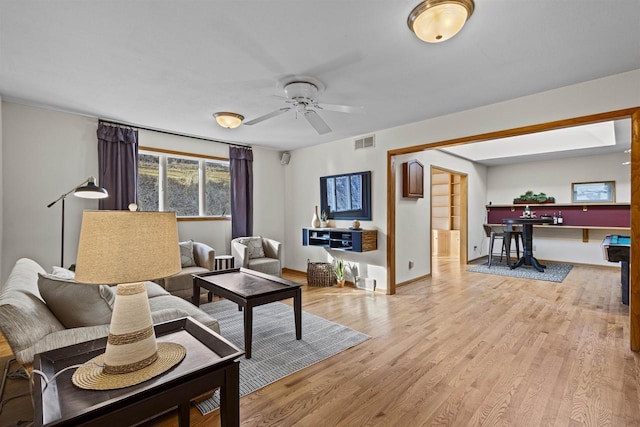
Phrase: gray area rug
(553, 273)
(275, 351)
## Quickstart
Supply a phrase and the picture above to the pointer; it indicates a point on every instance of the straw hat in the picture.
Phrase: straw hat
(91, 376)
(132, 354)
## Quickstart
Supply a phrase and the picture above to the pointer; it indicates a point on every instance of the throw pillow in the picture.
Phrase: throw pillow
(77, 304)
(254, 245)
(186, 254)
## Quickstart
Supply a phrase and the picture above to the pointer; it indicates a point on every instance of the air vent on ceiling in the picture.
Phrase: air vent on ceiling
(365, 142)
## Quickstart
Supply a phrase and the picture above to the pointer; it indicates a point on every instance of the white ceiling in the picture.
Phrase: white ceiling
(171, 64)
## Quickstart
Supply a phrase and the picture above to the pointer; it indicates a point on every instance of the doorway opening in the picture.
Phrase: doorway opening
(448, 216)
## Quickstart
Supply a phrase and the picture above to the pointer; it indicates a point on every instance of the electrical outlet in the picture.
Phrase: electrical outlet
(475, 248)
(410, 264)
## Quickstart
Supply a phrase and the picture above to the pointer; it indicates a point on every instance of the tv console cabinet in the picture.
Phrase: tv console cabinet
(342, 239)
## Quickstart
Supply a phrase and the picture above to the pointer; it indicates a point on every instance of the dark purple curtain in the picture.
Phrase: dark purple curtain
(118, 166)
(241, 191)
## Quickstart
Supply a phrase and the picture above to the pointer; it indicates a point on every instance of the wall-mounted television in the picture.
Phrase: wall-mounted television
(346, 196)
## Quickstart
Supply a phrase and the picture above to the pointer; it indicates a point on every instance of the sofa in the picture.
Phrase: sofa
(33, 324)
(258, 253)
(196, 258)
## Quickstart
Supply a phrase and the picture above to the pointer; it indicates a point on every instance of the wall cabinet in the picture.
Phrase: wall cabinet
(412, 179)
(341, 239)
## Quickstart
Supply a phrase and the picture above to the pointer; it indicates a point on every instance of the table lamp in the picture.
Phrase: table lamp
(128, 248)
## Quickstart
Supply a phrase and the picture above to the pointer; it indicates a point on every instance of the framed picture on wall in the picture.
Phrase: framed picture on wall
(593, 192)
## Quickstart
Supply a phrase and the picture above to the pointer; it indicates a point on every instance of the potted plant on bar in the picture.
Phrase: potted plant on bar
(531, 198)
(338, 269)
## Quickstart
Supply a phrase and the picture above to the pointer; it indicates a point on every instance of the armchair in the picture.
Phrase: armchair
(181, 284)
(258, 253)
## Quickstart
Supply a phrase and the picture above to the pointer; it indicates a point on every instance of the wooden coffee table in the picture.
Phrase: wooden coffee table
(248, 289)
(209, 363)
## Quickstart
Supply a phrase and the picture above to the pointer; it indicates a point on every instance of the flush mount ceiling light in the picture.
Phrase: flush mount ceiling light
(435, 21)
(228, 120)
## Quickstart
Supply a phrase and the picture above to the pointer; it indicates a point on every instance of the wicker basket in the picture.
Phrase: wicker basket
(320, 274)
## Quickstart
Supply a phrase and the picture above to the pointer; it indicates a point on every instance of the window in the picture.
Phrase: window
(182, 186)
(148, 189)
(190, 185)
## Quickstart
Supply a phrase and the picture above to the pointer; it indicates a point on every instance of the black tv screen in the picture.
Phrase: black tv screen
(346, 196)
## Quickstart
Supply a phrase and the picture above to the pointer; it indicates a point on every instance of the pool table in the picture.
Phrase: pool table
(617, 248)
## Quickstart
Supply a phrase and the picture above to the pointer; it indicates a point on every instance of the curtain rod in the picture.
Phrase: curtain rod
(125, 125)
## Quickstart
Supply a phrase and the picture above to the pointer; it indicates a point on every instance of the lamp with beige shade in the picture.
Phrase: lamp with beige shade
(128, 248)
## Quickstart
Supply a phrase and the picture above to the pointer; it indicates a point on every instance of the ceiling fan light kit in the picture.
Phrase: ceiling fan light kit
(228, 120)
(435, 21)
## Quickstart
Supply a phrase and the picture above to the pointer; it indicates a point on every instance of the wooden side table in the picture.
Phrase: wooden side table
(210, 363)
(223, 262)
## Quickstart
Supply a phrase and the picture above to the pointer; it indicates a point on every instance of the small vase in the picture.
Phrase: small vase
(340, 283)
(323, 224)
(315, 222)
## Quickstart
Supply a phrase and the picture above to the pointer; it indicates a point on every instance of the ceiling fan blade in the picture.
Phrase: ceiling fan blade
(267, 116)
(340, 108)
(316, 121)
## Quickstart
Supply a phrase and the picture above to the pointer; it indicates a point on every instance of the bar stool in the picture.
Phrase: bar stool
(493, 235)
(514, 234)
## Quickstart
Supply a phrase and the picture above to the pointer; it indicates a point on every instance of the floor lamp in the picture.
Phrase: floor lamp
(86, 190)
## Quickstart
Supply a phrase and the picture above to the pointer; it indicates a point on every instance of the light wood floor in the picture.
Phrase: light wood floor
(464, 349)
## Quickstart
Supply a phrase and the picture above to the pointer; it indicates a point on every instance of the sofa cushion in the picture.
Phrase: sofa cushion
(266, 265)
(254, 246)
(155, 290)
(24, 317)
(77, 304)
(166, 302)
(186, 254)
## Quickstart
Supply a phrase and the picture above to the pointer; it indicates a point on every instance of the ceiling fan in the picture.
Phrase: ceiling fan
(301, 95)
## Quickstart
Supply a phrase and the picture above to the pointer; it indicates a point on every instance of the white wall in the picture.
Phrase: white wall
(47, 153)
(413, 235)
(302, 194)
(554, 177)
(308, 164)
(268, 195)
(1, 189)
